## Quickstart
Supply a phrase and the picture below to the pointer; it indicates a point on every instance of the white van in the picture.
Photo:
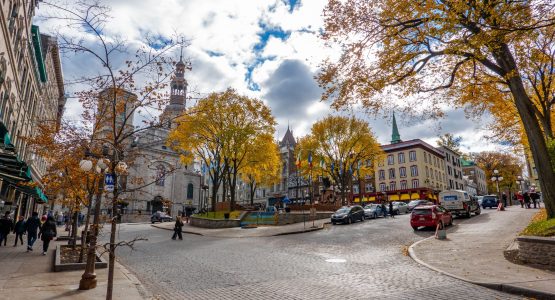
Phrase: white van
(459, 203)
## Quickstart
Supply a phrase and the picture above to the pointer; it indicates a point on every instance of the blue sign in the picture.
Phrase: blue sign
(109, 182)
(450, 198)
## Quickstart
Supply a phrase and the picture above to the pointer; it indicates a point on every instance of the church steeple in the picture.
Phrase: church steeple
(395, 136)
(178, 92)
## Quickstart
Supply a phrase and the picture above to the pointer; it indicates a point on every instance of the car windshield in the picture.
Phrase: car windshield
(422, 211)
(342, 211)
(489, 198)
(370, 206)
(414, 202)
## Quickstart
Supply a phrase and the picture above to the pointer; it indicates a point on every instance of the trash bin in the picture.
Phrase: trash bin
(226, 216)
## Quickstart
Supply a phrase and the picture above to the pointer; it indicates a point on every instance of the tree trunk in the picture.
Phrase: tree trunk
(84, 245)
(74, 229)
(532, 128)
(252, 187)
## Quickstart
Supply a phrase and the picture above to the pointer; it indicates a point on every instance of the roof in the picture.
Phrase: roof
(467, 163)
(395, 136)
(416, 143)
(288, 138)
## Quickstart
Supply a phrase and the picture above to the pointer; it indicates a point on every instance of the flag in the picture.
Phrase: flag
(310, 159)
(299, 159)
(322, 164)
(203, 168)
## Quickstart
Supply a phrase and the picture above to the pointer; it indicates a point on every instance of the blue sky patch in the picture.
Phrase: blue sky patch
(292, 4)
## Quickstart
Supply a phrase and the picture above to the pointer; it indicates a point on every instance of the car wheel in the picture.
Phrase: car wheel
(350, 220)
(375, 215)
(415, 228)
(333, 223)
(362, 218)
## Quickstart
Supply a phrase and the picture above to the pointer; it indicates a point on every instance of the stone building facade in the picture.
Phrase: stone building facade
(477, 175)
(453, 169)
(157, 179)
(31, 93)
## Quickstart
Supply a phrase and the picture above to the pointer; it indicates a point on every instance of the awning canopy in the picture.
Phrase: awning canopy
(405, 197)
(415, 196)
(393, 197)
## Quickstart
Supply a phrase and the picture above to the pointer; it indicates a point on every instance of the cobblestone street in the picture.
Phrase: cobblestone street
(359, 261)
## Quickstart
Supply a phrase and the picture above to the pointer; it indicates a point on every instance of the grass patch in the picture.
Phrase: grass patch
(540, 225)
(219, 215)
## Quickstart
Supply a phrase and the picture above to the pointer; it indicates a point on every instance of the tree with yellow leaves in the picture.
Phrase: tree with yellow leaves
(469, 50)
(263, 167)
(339, 147)
(223, 130)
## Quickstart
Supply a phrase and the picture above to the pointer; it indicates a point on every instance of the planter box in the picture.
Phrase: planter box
(59, 267)
(537, 251)
(211, 223)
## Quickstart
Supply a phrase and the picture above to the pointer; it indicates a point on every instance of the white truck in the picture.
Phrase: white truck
(459, 203)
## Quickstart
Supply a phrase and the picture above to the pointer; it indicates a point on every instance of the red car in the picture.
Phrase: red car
(430, 216)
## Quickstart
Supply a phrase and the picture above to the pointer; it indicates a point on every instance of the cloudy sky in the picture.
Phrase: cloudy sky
(268, 49)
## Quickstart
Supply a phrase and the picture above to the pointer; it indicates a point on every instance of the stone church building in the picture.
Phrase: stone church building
(157, 180)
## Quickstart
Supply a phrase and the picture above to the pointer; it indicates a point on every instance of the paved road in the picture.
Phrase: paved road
(359, 261)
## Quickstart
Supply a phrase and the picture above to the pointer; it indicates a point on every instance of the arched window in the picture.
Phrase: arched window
(190, 191)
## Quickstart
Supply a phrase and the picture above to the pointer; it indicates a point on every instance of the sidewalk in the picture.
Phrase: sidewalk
(29, 276)
(473, 252)
(238, 232)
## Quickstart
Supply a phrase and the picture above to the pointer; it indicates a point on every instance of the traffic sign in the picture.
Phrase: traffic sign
(109, 182)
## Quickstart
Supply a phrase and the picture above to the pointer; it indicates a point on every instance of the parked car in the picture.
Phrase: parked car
(415, 203)
(459, 203)
(348, 214)
(400, 208)
(430, 216)
(490, 201)
(160, 217)
(373, 211)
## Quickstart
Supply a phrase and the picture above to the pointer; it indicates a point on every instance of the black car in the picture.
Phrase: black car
(490, 201)
(160, 217)
(348, 215)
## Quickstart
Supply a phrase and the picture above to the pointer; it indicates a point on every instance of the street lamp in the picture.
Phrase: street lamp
(88, 279)
(496, 177)
(520, 182)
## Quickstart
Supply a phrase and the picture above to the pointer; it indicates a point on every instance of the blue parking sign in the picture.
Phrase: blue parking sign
(109, 182)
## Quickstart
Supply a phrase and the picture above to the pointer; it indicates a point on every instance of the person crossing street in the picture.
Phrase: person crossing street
(19, 230)
(31, 226)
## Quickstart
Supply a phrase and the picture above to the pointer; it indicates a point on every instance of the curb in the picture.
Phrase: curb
(145, 293)
(507, 288)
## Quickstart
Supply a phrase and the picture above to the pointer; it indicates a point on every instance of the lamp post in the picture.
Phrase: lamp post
(520, 182)
(88, 279)
(496, 177)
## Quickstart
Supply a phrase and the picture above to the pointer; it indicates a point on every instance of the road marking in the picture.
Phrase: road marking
(336, 260)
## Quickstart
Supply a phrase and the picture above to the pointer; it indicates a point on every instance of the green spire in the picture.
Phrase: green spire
(395, 136)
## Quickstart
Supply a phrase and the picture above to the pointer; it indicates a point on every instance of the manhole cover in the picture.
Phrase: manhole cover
(336, 260)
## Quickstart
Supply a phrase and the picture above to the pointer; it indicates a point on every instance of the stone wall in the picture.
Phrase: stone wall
(537, 250)
(211, 223)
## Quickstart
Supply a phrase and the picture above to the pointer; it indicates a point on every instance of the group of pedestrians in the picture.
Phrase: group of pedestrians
(389, 209)
(527, 198)
(33, 227)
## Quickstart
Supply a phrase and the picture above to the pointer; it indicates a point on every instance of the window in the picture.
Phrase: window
(355, 189)
(449, 170)
(380, 163)
(413, 171)
(415, 183)
(402, 172)
(392, 186)
(382, 187)
(401, 157)
(160, 175)
(190, 191)
(391, 173)
(368, 187)
(381, 174)
(425, 157)
(412, 155)
(403, 184)
(390, 159)
(427, 173)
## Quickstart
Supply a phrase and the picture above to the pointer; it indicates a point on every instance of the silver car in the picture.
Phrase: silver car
(400, 208)
(372, 211)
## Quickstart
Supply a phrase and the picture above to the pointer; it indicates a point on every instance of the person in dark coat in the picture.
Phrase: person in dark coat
(32, 226)
(384, 210)
(6, 226)
(48, 232)
(177, 228)
(527, 199)
(19, 230)
(391, 212)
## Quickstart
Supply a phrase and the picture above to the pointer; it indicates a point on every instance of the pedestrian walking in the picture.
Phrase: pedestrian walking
(19, 230)
(48, 233)
(520, 198)
(391, 211)
(32, 226)
(6, 226)
(534, 197)
(60, 219)
(527, 199)
(504, 199)
(177, 228)
(384, 210)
